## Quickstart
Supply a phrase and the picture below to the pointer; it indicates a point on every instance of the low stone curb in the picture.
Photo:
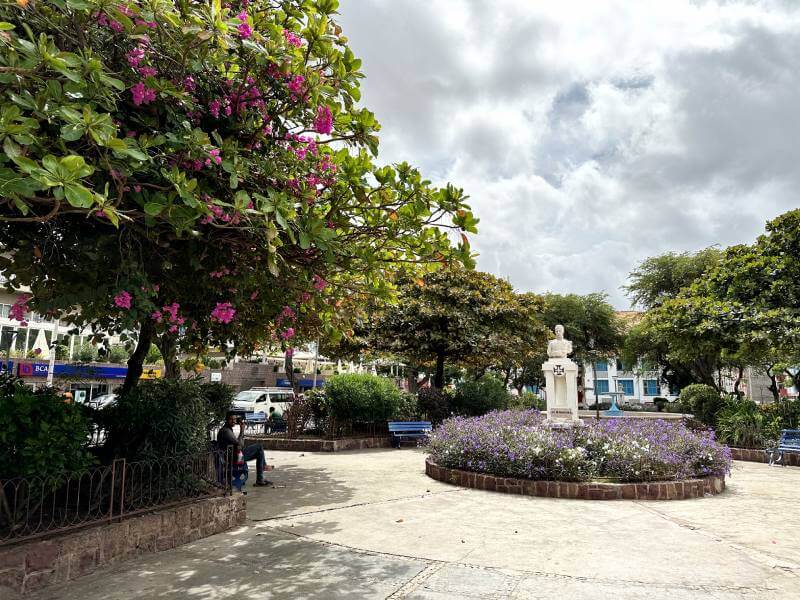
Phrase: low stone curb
(319, 445)
(38, 563)
(658, 490)
(760, 456)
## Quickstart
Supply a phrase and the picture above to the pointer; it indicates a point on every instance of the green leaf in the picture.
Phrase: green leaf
(78, 196)
(153, 208)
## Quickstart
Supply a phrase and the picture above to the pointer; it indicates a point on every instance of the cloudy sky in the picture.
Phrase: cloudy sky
(590, 134)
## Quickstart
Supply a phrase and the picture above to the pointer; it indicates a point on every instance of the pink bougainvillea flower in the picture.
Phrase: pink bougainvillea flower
(213, 107)
(244, 29)
(295, 85)
(324, 121)
(148, 71)
(305, 297)
(287, 334)
(223, 312)
(123, 300)
(142, 94)
(289, 352)
(189, 83)
(135, 56)
(319, 283)
(157, 316)
(292, 39)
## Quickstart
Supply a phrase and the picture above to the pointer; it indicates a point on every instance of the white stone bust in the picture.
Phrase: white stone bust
(559, 347)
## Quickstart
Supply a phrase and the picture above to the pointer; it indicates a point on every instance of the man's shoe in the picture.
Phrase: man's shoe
(263, 483)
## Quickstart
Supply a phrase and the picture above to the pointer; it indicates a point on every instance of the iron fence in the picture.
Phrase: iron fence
(38, 506)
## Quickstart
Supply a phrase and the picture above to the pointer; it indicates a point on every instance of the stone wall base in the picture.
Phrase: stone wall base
(657, 490)
(792, 459)
(319, 444)
(32, 565)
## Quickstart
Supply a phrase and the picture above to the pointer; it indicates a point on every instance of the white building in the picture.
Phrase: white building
(638, 385)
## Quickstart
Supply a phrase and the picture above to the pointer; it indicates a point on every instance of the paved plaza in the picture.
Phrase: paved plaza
(370, 524)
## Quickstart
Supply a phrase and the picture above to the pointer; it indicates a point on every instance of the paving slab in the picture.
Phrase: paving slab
(370, 524)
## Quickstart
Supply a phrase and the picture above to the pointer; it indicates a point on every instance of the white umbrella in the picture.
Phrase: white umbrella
(41, 345)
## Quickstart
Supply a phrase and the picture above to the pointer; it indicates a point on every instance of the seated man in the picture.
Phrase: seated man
(275, 418)
(227, 439)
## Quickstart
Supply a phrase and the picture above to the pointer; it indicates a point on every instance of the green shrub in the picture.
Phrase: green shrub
(526, 401)
(118, 354)
(218, 399)
(40, 434)
(673, 407)
(408, 408)
(87, 353)
(703, 401)
(361, 398)
(153, 356)
(740, 423)
(474, 398)
(434, 404)
(159, 418)
(660, 403)
(783, 414)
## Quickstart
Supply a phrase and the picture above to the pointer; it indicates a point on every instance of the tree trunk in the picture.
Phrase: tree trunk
(413, 378)
(136, 360)
(736, 385)
(438, 381)
(166, 344)
(773, 383)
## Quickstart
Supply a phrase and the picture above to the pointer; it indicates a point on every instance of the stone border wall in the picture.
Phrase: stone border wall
(32, 565)
(792, 459)
(659, 490)
(319, 445)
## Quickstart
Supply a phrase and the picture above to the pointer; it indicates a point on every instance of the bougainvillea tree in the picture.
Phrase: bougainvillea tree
(200, 173)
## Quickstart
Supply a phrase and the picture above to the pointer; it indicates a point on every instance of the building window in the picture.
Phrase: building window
(626, 386)
(4, 309)
(601, 365)
(600, 387)
(651, 387)
(674, 390)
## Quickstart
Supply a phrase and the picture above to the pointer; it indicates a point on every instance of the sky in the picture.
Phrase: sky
(590, 134)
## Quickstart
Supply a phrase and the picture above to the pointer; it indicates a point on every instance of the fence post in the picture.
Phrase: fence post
(122, 485)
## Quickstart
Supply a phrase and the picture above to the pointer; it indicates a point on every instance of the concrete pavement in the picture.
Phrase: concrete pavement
(370, 524)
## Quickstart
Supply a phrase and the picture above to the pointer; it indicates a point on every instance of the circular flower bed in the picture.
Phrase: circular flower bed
(520, 444)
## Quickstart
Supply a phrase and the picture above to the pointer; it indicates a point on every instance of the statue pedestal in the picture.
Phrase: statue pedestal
(561, 383)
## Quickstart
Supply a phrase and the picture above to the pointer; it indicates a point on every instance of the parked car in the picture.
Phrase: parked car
(100, 402)
(260, 399)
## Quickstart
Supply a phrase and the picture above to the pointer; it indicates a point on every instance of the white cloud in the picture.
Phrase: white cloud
(590, 134)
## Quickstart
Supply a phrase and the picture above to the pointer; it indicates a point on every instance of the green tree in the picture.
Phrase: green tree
(452, 315)
(188, 171)
(662, 277)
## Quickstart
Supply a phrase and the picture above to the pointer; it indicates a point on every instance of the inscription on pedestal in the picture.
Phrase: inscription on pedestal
(559, 413)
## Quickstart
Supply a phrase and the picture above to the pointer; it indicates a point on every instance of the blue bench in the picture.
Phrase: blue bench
(408, 430)
(790, 442)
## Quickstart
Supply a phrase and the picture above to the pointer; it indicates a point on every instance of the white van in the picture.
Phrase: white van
(260, 399)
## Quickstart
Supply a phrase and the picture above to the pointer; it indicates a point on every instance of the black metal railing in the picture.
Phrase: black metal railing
(37, 506)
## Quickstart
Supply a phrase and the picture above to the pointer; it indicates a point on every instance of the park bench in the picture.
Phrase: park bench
(408, 430)
(789, 442)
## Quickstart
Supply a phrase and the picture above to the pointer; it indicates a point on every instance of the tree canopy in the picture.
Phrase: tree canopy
(466, 317)
(201, 174)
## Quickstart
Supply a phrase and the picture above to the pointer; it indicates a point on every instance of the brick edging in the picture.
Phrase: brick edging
(760, 456)
(38, 563)
(318, 445)
(658, 490)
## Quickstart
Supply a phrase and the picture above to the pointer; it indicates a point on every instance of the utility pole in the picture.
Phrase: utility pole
(52, 366)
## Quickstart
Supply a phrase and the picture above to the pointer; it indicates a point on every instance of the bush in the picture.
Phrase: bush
(218, 399)
(520, 444)
(118, 354)
(526, 401)
(40, 434)
(434, 404)
(153, 356)
(740, 423)
(159, 418)
(703, 401)
(408, 409)
(87, 353)
(361, 398)
(603, 406)
(674, 407)
(474, 398)
(660, 403)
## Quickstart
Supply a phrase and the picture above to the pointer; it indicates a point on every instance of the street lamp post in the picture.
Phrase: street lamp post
(52, 366)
